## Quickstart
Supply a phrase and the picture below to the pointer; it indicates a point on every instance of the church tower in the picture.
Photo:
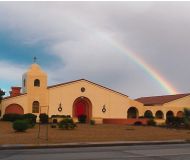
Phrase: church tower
(34, 84)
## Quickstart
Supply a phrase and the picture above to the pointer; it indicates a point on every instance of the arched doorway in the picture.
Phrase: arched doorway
(159, 115)
(148, 114)
(180, 114)
(14, 108)
(169, 114)
(132, 112)
(82, 106)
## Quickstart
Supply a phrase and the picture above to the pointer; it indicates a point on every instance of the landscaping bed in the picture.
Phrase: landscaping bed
(89, 133)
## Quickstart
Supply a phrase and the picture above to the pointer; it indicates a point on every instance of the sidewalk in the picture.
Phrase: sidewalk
(89, 144)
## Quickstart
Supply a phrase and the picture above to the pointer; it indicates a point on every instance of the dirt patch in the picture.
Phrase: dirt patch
(88, 133)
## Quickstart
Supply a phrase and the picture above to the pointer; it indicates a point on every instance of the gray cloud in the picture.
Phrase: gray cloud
(78, 33)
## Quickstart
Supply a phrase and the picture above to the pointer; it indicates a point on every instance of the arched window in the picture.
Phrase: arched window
(148, 114)
(132, 112)
(159, 115)
(36, 83)
(35, 107)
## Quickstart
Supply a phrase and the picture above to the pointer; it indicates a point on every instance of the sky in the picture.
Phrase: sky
(131, 47)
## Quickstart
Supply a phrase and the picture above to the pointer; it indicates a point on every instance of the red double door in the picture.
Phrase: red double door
(81, 108)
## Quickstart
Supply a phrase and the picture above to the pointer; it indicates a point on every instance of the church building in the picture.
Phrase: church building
(83, 97)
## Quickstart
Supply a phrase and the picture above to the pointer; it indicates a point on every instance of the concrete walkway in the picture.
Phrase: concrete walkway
(90, 144)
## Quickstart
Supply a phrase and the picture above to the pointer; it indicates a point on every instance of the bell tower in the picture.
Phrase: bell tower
(34, 84)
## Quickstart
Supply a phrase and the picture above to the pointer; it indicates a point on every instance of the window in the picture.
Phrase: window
(24, 82)
(35, 107)
(37, 83)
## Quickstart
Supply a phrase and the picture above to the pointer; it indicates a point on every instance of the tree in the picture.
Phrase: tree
(186, 117)
(2, 93)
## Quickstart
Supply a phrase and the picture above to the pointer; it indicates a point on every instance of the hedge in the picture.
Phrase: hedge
(67, 123)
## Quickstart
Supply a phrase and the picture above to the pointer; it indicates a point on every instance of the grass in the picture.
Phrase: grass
(89, 133)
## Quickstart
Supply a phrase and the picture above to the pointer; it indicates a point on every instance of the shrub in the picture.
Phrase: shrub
(54, 121)
(82, 119)
(174, 121)
(31, 118)
(12, 117)
(60, 116)
(151, 122)
(43, 118)
(187, 123)
(138, 123)
(187, 118)
(92, 122)
(20, 125)
(67, 123)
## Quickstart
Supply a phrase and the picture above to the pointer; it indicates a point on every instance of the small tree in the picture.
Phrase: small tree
(2, 93)
(186, 117)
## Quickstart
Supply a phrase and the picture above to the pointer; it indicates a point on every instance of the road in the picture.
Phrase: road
(148, 152)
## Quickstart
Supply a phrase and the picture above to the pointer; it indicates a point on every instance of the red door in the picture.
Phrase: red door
(80, 108)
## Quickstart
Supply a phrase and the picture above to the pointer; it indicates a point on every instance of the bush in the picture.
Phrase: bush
(92, 122)
(174, 121)
(20, 125)
(60, 116)
(138, 123)
(67, 123)
(54, 121)
(151, 122)
(186, 123)
(82, 119)
(12, 117)
(31, 118)
(186, 118)
(43, 118)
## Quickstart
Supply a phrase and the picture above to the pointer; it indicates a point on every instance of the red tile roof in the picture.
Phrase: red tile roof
(159, 100)
(14, 96)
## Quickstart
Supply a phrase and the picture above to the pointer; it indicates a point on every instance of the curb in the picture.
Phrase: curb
(90, 144)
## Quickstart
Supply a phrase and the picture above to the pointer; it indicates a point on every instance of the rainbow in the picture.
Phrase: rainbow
(142, 64)
(133, 56)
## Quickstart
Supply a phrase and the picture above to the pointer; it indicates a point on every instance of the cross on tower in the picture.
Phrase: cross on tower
(35, 59)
